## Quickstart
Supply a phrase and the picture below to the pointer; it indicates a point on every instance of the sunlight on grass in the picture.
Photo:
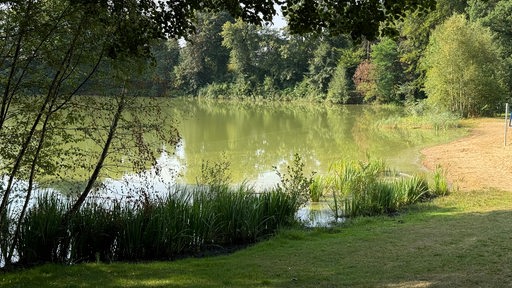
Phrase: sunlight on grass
(460, 240)
(412, 284)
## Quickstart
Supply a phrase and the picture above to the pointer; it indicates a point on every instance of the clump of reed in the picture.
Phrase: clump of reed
(185, 222)
(421, 114)
(316, 189)
(41, 232)
(371, 188)
(440, 183)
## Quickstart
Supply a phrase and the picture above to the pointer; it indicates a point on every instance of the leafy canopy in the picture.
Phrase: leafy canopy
(463, 68)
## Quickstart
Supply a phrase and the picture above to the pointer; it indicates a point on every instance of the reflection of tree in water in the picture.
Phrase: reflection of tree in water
(254, 137)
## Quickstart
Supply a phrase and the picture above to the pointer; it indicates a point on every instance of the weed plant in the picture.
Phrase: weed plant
(294, 182)
(41, 232)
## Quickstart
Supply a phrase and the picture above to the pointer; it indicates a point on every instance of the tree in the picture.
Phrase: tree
(414, 30)
(364, 79)
(324, 60)
(360, 19)
(257, 55)
(497, 15)
(342, 87)
(387, 72)
(203, 60)
(463, 68)
(52, 48)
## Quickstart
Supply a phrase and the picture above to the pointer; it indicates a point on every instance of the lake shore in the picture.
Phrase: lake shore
(478, 161)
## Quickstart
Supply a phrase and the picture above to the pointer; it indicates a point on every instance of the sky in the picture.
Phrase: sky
(278, 21)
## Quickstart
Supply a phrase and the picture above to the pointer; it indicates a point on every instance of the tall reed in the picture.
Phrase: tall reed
(41, 232)
(440, 183)
(185, 222)
(371, 188)
(94, 230)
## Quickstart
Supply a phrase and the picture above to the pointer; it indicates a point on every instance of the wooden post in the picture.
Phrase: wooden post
(506, 124)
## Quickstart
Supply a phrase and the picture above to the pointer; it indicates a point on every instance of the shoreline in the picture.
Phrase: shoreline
(478, 161)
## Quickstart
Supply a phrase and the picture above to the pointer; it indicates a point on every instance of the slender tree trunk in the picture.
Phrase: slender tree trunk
(51, 96)
(92, 179)
(104, 153)
(7, 96)
(28, 196)
(19, 158)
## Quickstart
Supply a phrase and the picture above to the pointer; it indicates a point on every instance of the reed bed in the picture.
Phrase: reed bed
(371, 188)
(188, 221)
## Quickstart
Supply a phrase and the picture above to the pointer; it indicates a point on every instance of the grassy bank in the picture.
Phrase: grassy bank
(462, 240)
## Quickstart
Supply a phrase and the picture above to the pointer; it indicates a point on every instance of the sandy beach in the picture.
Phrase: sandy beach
(477, 161)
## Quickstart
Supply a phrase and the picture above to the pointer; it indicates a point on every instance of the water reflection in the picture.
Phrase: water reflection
(256, 137)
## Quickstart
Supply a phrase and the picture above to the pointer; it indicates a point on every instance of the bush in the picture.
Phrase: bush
(294, 182)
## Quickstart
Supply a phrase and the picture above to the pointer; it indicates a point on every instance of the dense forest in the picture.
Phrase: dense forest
(458, 56)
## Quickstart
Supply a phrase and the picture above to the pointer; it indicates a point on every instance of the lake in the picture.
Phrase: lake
(254, 138)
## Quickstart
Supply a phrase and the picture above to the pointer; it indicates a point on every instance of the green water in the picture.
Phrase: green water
(254, 138)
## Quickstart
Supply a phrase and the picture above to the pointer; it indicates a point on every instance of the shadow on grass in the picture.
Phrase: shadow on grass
(428, 246)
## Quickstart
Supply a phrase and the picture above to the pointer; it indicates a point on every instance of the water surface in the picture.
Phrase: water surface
(254, 138)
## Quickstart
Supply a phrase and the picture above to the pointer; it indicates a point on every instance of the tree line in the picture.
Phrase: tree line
(458, 56)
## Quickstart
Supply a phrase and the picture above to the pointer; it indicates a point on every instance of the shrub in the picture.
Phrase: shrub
(294, 182)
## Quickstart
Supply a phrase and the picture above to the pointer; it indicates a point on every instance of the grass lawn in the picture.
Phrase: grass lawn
(462, 240)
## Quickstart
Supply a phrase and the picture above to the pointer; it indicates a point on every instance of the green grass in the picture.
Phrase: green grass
(461, 240)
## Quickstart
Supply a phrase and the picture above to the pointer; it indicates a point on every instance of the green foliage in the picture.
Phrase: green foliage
(387, 73)
(364, 80)
(94, 229)
(338, 91)
(466, 231)
(203, 60)
(415, 30)
(440, 183)
(421, 114)
(41, 233)
(358, 19)
(371, 188)
(463, 69)
(294, 182)
(215, 174)
(324, 60)
(316, 189)
(497, 16)
(305, 90)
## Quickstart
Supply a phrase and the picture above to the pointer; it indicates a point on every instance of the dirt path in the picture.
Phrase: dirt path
(478, 161)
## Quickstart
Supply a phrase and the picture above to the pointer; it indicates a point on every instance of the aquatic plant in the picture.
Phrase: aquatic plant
(316, 189)
(371, 188)
(294, 182)
(185, 222)
(440, 183)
